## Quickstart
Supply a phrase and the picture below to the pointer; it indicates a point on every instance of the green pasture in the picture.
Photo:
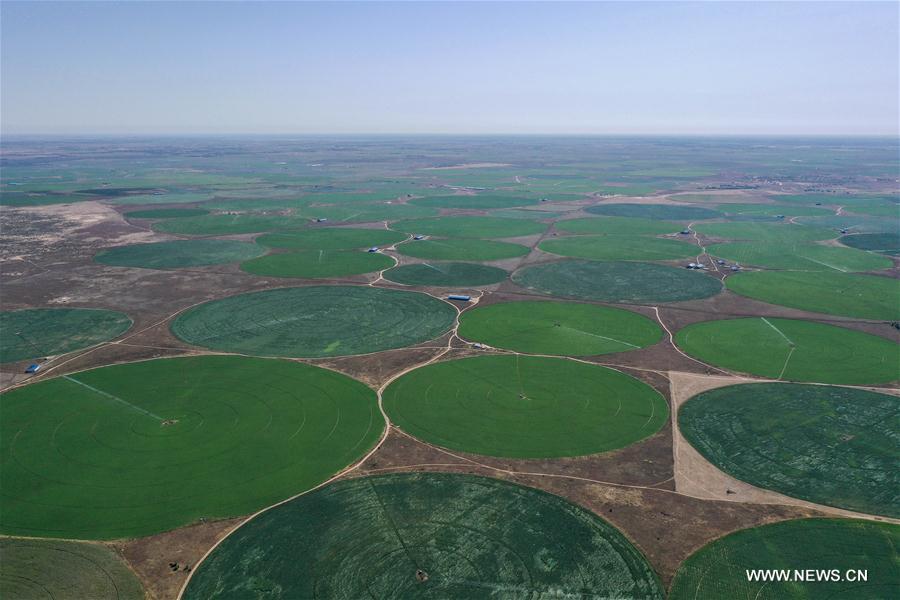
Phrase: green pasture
(524, 406)
(18, 199)
(772, 210)
(825, 444)
(471, 227)
(225, 224)
(293, 204)
(317, 264)
(619, 247)
(446, 274)
(178, 254)
(467, 537)
(618, 226)
(462, 249)
(793, 350)
(852, 223)
(331, 238)
(173, 198)
(368, 213)
(166, 213)
(524, 213)
(665, 212)
(485, 201)
(38, 332)
(800, 256)
(136, 449)
(769, 232)
(885, 243)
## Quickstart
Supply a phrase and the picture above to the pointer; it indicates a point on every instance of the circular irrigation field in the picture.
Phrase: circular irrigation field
(135, 449)
(315, 321)
(561, 328)
(665, 212)
(719, 569)
(331, 238)
(465, 249)
(800, 256)
(313, 264)
(622, 282)
(618, 226)
(427, 535)
(792, 350)
(446, 274)
(38, 332)
(831, 445)
(31, 569)
(834, 293)
(619, 247)
(886, 243)
(471, 227)
(474, 202)
(224, 224)
(178, 254)
(524, 406)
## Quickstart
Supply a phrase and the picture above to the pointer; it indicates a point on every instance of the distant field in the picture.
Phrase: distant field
(771, 210)
(166, 213)
(522, 213)
(718, 570)
(446, 274)
(772, 232)
(471, 227)
(800, 256)
(312, 264)
(331, 238)
(31, 569)
(846, 294)
(618, 226)
(368, 213)
(561, 328)
(792, 350)
(831, 445)
(480, 201)
(886, 243)
(666, 212)
(178, 254)
(135, 449)
(38, 332)
(368, 537)
(462, 249)
(223, 224)
(524, 407)
(619, 247)
(621, 282)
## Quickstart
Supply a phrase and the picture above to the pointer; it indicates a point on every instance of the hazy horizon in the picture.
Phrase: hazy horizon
(808, 69)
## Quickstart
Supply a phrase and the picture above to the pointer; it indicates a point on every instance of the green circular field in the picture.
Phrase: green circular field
(368, 213)
(462, 249)
(31, 569)
(331, 238)
(524, 213)
(446, 274)
(427, 535)
(178, 254)
(618, 226)
(166, 213)
(313, 264)
(561, 328)
(524, 406)
(772, 210)
(39, 332)
(886, 243)
(619, 247)
(800, 256)
(471, 227)
(315, 321)
(225, 224)
(833, 293)
(779, 232)
(666, 212)
(623, 282)
(719, 569)
(792, 350)
(135, 449)
(831, 445)
(475, 202)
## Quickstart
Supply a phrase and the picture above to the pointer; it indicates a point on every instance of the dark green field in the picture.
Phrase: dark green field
(463, 249)
(331, 238)
(317, 264)
(718, 570)
(479, 202)
(166, 213)
(561, 328)
(830, 445)
(524, 407)
(471, 227)
(39, 332)
(32, 569)
(446, 274)
(136, 449)
(315, 321)
(468, 537)
(179, 254)
(225, 224)
(623, 282)
(886, 243)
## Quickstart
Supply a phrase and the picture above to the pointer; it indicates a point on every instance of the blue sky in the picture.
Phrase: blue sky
(508, 67)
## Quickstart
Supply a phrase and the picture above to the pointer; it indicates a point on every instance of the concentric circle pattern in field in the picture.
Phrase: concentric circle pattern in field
(446, 274)
(562, 328)
(426, 535)
(135, 449)
(793, 350)
(178, 254)
(315, 321)
(56, 569)
(37, 332)
(524, 406)
(831, 445)
(611, 281)
(719, 569)
(331, 238)
(318, 264)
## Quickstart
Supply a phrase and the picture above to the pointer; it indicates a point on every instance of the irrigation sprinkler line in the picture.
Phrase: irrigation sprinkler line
(786, 361)
(781, 333)
(112, 397)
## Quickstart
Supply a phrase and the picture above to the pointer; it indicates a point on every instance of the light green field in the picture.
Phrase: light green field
(771, 210)
(622, 282)
(317, 264)
(315, 321)
(524, 407)
(619, 247)
(825, 444)
(224, 224)
(471, 227)
(718, 570)
(176, 198)
(793, 350)
(524, 213)
(178, 254)
(618, 226)
(800, 256)
(31, 569)
(853, 223)
(463, 249)
(367, 537)
(368, 213)
(561, 328)
(135, 449)
(38, 332)
(846, 294)
(446, 274)
(665, 212)
(331, 238)
(479, 202)
(166, 213)
(293, 204)
(780, 233)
